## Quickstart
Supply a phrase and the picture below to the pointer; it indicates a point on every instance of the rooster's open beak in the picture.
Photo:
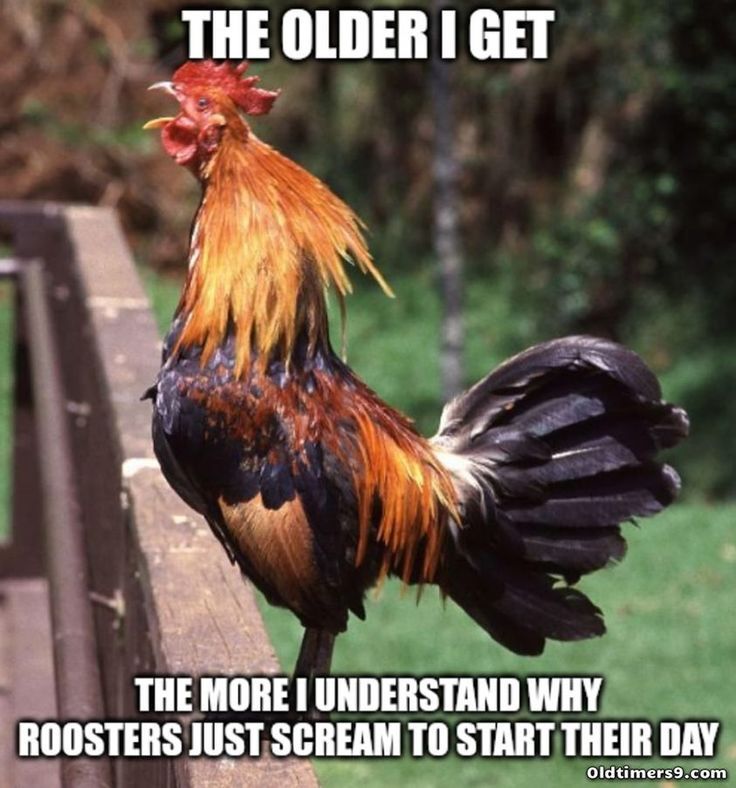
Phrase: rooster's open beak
(167, 86)
(158, 123)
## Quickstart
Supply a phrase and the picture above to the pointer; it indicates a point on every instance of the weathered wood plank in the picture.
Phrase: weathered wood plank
(29, 673)
(201, 617)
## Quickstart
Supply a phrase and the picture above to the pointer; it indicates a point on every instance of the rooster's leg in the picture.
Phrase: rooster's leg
(315, 654)
(315, 659)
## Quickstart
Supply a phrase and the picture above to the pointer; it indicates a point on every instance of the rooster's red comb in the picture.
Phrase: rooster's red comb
(227, 77)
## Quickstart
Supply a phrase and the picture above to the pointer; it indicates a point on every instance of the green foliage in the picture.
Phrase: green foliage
(121, 139)
(388, 341)
(637, 241)
(163, 292)
(704, 380)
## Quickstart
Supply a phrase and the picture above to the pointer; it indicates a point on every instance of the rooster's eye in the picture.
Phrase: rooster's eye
(203, 103)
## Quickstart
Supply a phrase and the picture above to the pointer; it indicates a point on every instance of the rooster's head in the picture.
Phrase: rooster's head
(211, 97)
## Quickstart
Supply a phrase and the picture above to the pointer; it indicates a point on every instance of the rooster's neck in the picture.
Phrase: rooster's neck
(267, 239)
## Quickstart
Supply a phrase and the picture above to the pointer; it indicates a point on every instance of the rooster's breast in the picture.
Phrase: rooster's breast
(262, 457)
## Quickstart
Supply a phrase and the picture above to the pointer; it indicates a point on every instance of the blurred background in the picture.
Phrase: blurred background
(507, 203)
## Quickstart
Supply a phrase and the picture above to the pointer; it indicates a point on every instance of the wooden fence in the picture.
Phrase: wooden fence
(136, 583)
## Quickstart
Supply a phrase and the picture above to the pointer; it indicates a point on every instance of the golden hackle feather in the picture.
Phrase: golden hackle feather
(268, 239)
(417, 497)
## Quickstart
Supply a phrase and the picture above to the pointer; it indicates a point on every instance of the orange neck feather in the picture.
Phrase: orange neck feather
(267, 240)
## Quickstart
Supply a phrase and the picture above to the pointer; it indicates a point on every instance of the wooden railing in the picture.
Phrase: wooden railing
(120, 550)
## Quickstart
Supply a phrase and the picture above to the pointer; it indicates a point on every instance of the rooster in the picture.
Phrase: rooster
(315, 487)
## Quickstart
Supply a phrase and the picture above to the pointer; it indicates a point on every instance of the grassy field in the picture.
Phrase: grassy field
(671, 642)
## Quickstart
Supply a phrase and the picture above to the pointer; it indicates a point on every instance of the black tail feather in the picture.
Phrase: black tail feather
(528, 609)
(550, 453)
(579, 550)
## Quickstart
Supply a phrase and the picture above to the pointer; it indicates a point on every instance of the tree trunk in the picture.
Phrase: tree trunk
(446, 235)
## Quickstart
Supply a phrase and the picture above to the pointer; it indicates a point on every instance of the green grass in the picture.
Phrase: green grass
(669, 650)
(668, 653)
